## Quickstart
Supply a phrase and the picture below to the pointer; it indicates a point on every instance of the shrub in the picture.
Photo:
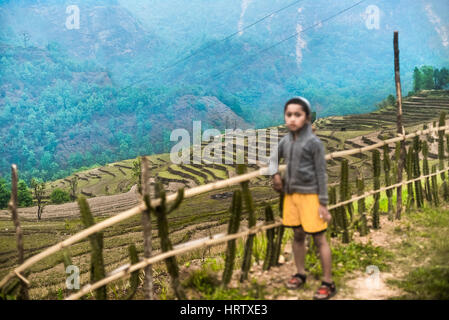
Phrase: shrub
(5, 194)
(24, 196)
(59, 196)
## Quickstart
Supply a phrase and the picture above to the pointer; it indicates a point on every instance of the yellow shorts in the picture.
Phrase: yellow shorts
(302, 210)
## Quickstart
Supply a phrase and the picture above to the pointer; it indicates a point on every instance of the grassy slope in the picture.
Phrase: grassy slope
(424, 255)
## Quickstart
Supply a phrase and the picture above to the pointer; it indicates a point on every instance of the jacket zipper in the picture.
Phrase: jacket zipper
(289, 162)
(289, 167)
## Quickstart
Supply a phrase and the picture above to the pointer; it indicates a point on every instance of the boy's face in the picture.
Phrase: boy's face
(295, 117)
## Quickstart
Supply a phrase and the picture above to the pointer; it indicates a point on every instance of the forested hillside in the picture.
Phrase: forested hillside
(59, 114)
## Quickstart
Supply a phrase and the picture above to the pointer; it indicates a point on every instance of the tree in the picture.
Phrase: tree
(59, 196)
(444, 77)
(39, 193)
(5, 194)
(441, 78)
(76, 160)
(436, 77)
(73, 188)
(417, 80)
(137, 173)
(391, 100)
(427, 78)
(25, 198)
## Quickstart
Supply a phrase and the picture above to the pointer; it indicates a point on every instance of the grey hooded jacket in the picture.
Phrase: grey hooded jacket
(306, 163)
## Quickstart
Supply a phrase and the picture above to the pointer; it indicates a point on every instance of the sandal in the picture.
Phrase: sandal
(296, 281)
(326, 291)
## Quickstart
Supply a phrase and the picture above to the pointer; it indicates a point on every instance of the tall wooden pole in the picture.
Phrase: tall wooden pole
(147, 234)
(400, 128)
(19, 234)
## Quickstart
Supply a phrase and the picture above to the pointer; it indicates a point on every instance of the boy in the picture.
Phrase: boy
(305, 188)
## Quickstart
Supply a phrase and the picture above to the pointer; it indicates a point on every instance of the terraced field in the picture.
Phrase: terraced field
(422, 108)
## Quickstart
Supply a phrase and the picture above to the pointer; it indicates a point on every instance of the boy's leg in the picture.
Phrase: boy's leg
(299, 249)
(325, 255)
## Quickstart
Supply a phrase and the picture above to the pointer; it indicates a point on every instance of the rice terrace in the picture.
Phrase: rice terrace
(93, 207)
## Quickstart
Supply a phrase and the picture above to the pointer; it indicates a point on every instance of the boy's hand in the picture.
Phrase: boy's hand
(324, 213)
(277, 182)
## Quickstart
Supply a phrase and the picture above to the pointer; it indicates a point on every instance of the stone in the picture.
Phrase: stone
(281, 259)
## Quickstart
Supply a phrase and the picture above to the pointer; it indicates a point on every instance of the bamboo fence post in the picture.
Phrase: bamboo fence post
(23, 295)
(146, 224)
(347, 190)
(397, 156)
(233, 227)
(427, 188)
(417, 172)
(435, 197)
(334, 213)
(344, 196)
(447, 144)
(387, 167)
(363, 226)
(376, 181)
(269, 218)
(339, 215)
(441, 123)
(249, 204)
(134, 279)
(67, 259)
(400, 128)
(409, 169)
(424, 127)
(279, 234)
(161, 212)
(97, 270)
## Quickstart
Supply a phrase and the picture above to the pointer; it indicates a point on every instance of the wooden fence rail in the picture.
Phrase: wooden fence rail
(188, 194)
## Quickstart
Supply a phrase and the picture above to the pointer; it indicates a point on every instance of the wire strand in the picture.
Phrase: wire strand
(217, 75)
(201, 49)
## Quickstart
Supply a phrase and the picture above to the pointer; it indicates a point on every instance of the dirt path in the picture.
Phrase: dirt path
(354, 286)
